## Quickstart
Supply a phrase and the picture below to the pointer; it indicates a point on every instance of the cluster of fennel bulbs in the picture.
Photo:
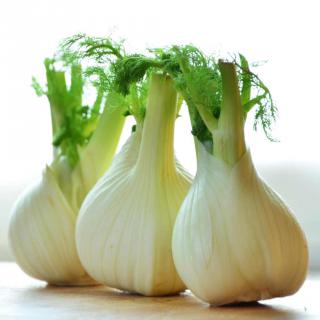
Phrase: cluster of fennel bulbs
(234, 239)
(143, 225)
(42, 227)
(124, 228)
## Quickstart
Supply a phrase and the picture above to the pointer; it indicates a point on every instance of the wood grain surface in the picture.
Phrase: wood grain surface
(22, 297)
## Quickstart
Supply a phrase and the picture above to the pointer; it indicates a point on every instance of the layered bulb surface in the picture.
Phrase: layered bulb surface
(42, 226)
(234, 239)
(42, 234)
(124, 230)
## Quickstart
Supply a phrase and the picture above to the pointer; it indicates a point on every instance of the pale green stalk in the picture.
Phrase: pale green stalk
(228, 138)
(157, 151)
(102, 146)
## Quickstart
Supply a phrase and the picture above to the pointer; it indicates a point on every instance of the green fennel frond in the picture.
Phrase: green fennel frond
(123, 75)
(197, 80)
(37, 87)
(102, 50)
(266, 111)
(98, 76)
(130, 78)
(132, 69)
(200, 82)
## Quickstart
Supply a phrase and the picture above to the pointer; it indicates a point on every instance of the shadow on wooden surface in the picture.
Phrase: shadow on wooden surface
(102, 302)
(26, 298)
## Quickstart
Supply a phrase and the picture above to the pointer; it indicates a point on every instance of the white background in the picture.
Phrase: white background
(285, 33)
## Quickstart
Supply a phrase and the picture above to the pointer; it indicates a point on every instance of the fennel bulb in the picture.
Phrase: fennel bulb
(42, 227)
(124, 228)
(42, 231)
(234, 239)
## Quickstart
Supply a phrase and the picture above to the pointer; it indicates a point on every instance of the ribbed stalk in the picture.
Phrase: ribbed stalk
(157, 151)
(102, 146)
(228, 139)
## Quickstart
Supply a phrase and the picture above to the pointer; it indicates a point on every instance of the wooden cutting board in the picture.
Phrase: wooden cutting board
(22, 297)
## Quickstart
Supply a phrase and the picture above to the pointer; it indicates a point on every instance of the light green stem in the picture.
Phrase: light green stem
(156, 153)
(56, 94)
(210, 121)
(228, 139)
(95, 158)
(99, 152)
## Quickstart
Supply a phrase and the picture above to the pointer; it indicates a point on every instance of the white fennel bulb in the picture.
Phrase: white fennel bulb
(234, 239)
(42, 233)
(124, 229)
(42, 227)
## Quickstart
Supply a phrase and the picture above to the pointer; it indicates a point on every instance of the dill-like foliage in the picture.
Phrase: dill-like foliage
(266, 111)
(102, 50)
(196, 76)
(125, 73)
(132, 69)
(201, 84)
(196, 79)
(37, 87)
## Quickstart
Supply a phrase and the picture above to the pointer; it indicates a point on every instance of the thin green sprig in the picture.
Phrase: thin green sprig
(266, 112)
(82, 46)
(105, 51)
(198, 79)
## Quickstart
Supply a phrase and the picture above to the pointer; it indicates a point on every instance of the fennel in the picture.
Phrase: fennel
(125, 224)
(234, 240)
(42, 227)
